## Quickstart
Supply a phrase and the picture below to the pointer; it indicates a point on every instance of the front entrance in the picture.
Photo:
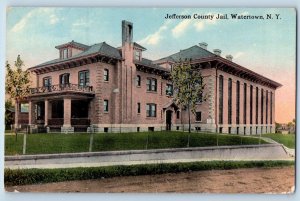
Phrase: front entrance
(168, 120)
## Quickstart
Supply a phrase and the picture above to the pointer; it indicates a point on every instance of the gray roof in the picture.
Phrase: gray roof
(194, 52)
(80, 45)
(138, 46)
(101, 48)
(149, 63)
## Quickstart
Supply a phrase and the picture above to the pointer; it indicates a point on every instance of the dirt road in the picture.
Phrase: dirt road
(253, 180)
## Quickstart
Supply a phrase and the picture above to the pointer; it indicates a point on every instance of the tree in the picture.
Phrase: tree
(188, 87)
(8, 115)
(17, 83)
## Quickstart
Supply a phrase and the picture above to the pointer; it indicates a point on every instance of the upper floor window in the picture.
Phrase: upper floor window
(151, 110)
(106, 75)
(47, 81)
(84, 78)
(64, 78)
(137, 55)
(178, 114)
(139, 108)
(151, 84)
(65, 53)
(198, 116)
(138, 80)
(105, 106)
(169, 90)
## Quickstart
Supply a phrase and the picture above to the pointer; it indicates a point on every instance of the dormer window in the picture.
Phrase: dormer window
(137, 55)
(65, 53)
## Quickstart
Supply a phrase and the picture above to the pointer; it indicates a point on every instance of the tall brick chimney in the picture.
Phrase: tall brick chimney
(127, 32)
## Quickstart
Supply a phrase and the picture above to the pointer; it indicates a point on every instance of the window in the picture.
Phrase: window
(169, 90)
(238, 102)
(178, 114)
(84, 78)
(245, 103)
(251, 104)
(137, 55)
(198, 116)
(256, 106)
(138, 80)
(151, 110)
(262, 106)
(151, 84)
(64, 79)
(267, 104)
(65, 53)
(221, 100)
(229, 101)
(47, 81)
(271, 109)
(106, 75)
(24, 107)
(139, 108)
(105, 105)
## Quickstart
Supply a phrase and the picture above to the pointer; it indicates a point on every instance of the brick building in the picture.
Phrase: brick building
(116, 89)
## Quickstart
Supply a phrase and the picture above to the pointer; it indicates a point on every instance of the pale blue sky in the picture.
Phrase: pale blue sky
(265, 46)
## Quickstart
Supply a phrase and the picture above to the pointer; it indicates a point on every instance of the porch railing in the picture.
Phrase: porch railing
(60, 88)
(74, 122)
(80, 121)
(56, 122)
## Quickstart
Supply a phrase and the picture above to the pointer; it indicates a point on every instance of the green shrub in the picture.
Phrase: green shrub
(35, 176)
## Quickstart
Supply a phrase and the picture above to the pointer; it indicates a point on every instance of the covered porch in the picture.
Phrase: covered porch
(66, 114)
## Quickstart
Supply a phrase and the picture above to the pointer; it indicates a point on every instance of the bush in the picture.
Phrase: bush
(35, 176)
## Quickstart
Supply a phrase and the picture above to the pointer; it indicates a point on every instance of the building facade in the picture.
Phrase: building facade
(111, 89)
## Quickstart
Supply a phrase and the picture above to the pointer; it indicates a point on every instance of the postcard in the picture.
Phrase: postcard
(156, 100)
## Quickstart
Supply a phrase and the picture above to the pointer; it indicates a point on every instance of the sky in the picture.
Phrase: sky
(267, 47)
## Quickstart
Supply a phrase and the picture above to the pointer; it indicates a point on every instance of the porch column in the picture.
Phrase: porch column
(46, 112)
(30, 113)
(67, 112)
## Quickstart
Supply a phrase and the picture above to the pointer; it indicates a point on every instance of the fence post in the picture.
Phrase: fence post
(91, 139)
(24, 142)
(188, 143)
(147, 140)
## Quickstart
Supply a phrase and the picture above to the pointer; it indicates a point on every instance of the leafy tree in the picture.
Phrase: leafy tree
(188, 86)
(8, 115)
(17, 83)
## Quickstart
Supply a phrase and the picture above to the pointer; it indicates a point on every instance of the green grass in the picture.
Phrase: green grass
(287, 139)
(34, 176)
(70, 143)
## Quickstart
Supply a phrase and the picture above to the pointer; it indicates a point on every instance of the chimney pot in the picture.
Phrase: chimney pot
(203, 45)
(229, 57)
(217, 52)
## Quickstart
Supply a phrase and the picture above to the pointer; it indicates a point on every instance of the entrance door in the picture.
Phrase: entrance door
(168, 119)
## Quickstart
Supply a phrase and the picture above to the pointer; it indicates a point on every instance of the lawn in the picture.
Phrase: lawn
(287, 139)
(70, 143)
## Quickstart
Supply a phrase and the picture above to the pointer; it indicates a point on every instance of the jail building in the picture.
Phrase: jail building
(116, 89)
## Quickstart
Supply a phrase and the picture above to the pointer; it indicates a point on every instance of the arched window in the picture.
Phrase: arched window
(238, 102)
(221, 99)
(229, 101)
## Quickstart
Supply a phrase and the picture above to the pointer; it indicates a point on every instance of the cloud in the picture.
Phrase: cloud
(53, 19)
(180, 28)
(238, 55)
(80, 23)
(153, 39)
(37, 13)
(199, 25)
